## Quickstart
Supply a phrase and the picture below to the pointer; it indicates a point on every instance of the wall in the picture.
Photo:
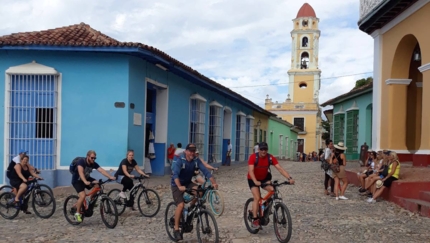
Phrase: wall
(264, 127)
(303, 94)
(362, 102)
(310, 127)
(277, 128)
(89, 119)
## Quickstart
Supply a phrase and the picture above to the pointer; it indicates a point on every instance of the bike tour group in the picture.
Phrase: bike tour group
(192, 185)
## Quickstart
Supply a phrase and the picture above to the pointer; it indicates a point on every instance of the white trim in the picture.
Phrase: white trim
(250, 117)
(214, 103)
(59, 112)
(404, 15)
(156, 83)
(354, 107)
(377, 90)
(6, 126)
(376, 33)
(341, 111)
(424, 67)
(198, 97)
(239, 113)
(161, 66)
(32, 68)
(226, 108)
(419, 84)
(144, 126)
(398, 81)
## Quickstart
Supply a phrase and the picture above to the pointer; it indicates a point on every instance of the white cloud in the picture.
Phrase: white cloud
(236, 43)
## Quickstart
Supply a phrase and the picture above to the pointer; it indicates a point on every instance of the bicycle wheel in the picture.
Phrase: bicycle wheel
(108, 208)
(44, 200)
(216, 202)
(283, 218)
(6, 188)
(119, 201)
(8, 211)
(150, 202)
(247, 216)
(169, 219)
(46, 188)
(205, 230)
(70, 210)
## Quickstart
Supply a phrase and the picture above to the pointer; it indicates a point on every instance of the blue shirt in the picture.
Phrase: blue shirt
(184, 170)
(87, 169)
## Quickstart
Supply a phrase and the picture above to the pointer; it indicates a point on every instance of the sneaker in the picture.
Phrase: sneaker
(343, 198)
(370, 195)
(122, 195)
(255, 224)
(177, 235)
(370, 200)
(337, 198)
(78, 217)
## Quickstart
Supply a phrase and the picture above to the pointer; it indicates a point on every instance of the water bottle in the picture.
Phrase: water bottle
(185, 213)
(187, 197)
(262, 209)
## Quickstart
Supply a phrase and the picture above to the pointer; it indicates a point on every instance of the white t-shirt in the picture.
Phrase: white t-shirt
(256, 149)
(17, 159)
(327, 153)
(178, 151)
(230, 147)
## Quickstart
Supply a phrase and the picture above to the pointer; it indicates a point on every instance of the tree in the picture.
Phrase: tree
(326, 126)
(362, 82)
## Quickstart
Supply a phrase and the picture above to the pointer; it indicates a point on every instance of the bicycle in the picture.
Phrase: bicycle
(107, 206)
(7, 188)
(198, 212)
(214, 197)
(272, 201)
(150, 200)
(39, 197)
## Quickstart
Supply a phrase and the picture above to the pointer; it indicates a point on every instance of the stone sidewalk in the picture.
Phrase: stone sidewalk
(316, 217)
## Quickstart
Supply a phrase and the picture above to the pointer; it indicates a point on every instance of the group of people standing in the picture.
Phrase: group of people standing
(335, 154)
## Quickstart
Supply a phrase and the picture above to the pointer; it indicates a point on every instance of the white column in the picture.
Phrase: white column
(377, 83)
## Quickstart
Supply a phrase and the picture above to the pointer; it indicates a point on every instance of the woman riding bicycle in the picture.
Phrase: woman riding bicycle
(124, 177)
(259, 174)
(19, 176)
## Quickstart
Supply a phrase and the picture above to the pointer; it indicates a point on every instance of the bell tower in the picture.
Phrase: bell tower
(304, 75)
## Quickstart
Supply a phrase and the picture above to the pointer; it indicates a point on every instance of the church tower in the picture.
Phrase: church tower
(301, 106)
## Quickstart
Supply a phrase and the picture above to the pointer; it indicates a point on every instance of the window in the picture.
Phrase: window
(305, 42)
(249, 137)
(215, 132)
(265, 137)
(352, 131)
(197, 124)
(261, 136)
(339, 126)
(44, 122)
(240, 137)
(300, 123)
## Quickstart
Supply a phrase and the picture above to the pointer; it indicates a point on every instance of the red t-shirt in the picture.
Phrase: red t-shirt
(262, 168)
(170, 153)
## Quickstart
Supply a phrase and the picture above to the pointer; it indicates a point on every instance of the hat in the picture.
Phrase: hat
(379, 184)
(340, 146)
(191, 147)
(370, 151)
(23, 151)
(263, 145)
(197, 151)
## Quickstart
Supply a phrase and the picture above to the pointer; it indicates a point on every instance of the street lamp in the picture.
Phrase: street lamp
(258, 123)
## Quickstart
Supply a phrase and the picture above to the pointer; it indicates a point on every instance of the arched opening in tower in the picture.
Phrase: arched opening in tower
(304, 60)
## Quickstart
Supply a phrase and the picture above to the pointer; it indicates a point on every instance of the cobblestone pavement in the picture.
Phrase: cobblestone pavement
(316, 217)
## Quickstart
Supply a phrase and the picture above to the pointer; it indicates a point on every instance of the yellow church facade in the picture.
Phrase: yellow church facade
(301, 108)
(401, 106)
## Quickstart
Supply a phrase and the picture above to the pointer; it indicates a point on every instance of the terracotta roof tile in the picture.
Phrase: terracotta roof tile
(352, 92)
(82, 35)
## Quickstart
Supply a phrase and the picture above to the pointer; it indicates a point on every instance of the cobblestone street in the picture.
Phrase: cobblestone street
(316, 217)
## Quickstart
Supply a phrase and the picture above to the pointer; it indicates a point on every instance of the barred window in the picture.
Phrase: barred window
(197, 123)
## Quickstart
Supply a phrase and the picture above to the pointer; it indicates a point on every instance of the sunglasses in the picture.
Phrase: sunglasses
(94, 158)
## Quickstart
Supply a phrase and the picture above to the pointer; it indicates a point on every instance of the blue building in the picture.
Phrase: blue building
(72, 89)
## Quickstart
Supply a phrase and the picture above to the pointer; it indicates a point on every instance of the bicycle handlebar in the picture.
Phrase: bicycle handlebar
(199, 189)
(276, 184)
(34, 180)
(141, 177)
(101, 182)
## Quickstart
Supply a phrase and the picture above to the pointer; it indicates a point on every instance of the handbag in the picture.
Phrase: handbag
(325, 166)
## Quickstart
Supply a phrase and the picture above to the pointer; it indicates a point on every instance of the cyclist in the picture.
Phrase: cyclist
(184, 168)
(124, 177)
(198, 178)
(259, 174)
(81, 179)
(19, 176)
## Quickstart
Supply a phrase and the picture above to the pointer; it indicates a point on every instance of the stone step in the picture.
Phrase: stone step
(425, 196)
(415, 205)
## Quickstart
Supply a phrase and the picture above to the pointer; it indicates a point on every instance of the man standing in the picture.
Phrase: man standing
(228, 156)
(185, 167)
(170, 153)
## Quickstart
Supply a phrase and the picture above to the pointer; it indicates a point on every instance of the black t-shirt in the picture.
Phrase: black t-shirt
(130, 167)
(87, 169)
(25, 172)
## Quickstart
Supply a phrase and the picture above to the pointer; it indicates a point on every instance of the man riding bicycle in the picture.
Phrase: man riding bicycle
(258, 173)
(81, 179)
(184, 168)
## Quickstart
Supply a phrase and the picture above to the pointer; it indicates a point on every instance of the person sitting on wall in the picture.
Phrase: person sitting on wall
(379, 172)
(371, 159)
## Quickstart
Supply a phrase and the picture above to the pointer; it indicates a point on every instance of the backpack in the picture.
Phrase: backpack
(73, 165)
(270, 160)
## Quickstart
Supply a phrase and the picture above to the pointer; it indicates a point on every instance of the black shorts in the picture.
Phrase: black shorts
(178, 196)
(389, 181)
(251, 183)
(80, 185)
(15, 183)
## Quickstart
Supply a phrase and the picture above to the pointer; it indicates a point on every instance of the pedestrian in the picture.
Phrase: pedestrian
(228, 155)
(170, 153)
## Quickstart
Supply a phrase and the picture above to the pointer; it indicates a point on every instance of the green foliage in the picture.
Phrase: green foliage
(362, 82)
(326, 126)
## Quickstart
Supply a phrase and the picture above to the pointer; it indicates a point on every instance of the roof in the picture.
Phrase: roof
(383, 13)
(81, 35)
(354, 92)
(306, 11)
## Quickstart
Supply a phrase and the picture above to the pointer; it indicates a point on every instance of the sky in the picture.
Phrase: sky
(241, 44)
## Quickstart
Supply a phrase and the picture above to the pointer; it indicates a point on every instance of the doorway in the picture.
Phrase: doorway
(301, 145)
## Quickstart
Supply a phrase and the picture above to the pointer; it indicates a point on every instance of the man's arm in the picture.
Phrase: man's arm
(103, 172)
